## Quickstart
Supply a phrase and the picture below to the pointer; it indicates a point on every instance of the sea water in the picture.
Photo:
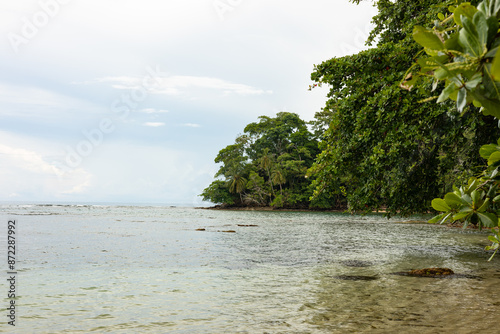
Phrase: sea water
(147, 269)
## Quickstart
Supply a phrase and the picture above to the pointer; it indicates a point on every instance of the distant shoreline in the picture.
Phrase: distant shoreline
(266, 208)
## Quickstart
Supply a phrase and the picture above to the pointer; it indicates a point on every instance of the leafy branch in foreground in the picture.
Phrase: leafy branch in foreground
(462, 51)
(478, 202)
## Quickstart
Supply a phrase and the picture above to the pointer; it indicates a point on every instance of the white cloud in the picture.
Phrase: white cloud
(154, 124)
(26, 173)
(28, 160)
(192, 125)
(184, 85)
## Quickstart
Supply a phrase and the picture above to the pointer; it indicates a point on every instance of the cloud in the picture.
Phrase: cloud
(183, 85)
(27, 174)
(192, 125)
(154, 124)
(152, 111)
(29, 160)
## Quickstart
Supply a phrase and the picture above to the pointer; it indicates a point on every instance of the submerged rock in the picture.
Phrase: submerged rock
(431, 272)
(428, 272)
(356, 263)
(356, 277)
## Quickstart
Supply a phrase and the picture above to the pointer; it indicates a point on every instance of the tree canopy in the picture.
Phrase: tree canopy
(266, 166)
(383, 147)
(376, 144)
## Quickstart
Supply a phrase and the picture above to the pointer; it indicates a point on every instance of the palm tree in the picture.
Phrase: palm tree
(278, 178)
(266, 163)
(237, 184)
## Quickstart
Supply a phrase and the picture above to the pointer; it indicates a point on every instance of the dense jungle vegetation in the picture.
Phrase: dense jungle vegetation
(381, 141)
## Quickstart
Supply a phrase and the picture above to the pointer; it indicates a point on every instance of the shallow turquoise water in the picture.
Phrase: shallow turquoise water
(110, 269)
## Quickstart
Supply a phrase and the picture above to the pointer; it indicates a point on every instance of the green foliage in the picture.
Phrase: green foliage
(267, 165)
(461, 51)
(218, 192)
(478, 202)
(382, 145)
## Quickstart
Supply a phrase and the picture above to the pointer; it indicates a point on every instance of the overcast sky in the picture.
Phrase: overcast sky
(129, 101)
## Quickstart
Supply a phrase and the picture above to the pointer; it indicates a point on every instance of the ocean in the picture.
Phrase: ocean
(160, 269)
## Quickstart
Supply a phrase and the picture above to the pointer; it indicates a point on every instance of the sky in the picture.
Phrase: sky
(129, 101)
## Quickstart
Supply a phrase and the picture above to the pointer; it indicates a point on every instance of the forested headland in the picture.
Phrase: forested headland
(382, 141)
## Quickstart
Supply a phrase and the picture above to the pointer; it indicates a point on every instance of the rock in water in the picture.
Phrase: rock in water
(431, 272)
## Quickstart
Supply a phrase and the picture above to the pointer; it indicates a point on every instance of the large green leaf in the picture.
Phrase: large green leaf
(486, 150)
(492, 23)
(490, 7)
(453, 200)
(488, 219)
(491, 87)
(494, 157)
(485, 205)
(452, 43)
(493, 238)
(493, 189)
(461, 99)
(427, 38)
(441, 218)
(461, 215)
(472, 184)
(464, 9)
(481, 26)
(476, 196)
(490, 106)
(474, 81)
(495, 67)
(467, 199)
(445, 94)
(469, 38)
(439, 204)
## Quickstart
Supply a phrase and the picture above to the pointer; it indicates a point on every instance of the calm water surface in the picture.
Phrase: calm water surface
(112, 269)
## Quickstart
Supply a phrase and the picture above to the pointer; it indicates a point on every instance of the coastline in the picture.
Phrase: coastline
(270, 208)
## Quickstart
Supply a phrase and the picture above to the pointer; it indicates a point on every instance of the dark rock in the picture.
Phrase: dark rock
(428, 272)
(356, 277)
(356, 263)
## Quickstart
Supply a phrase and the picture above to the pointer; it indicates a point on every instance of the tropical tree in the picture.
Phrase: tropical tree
(383, 148)
(266, 162)
(272, 155)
